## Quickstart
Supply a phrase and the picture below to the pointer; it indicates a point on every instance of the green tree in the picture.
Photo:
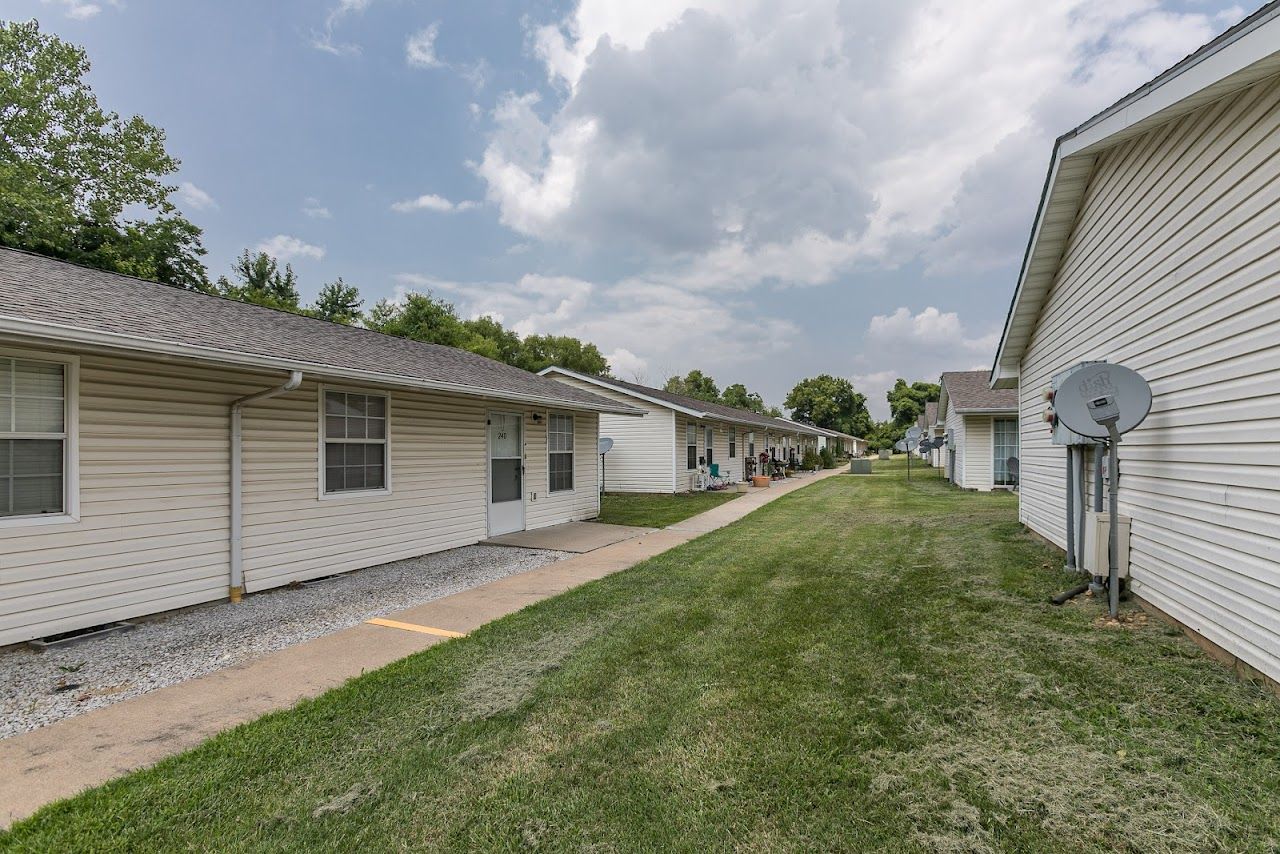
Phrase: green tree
(736, 395)
(490, 338)
(906, 401)
(69, 170)
(259, 280)
(694, 384)
(830, 402)
(338, 302)
(542, 351)
(421, 317)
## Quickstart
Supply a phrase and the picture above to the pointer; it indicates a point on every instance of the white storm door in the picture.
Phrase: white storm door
(506, 473)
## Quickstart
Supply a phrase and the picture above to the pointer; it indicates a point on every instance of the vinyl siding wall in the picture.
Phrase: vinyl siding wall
(154, 495)
(1172, 270)
(955, 426)
(978, 472)
(641, 458)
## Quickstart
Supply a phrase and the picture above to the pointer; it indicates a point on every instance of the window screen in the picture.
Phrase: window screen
(560, 447)
(733, 442)
(32, 437)
(709, 444)
(690, 446)
(355, 442)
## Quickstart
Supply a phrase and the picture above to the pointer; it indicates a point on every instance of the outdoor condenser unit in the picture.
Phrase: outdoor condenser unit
(1093, 555)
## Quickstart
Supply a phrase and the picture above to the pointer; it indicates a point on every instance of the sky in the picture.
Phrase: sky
(765, 190)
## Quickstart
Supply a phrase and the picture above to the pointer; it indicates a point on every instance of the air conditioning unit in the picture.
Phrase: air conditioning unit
(1093, 556)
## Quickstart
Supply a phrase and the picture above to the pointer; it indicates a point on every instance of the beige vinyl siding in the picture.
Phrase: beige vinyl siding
(543, 507)
(1172, 270)
(978, 461)
(641, 458)
(955, 426)
(154, 495)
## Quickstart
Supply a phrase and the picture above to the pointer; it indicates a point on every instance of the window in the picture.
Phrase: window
(733, 442)
(1005, 441)
(560, 446)
(355, 442)
(33, 438)
(751, 445)
(690, 446)
(708, 443)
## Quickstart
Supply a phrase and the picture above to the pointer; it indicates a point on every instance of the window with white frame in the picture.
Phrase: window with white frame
(33, 437)
(690, 446)
(560, 448)
(355, 442)
(733, 442)
(709, 443)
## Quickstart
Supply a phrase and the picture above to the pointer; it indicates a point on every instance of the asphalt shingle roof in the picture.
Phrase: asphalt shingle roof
(971, 390)
(34, 288)
(728, 413)
(930, 414)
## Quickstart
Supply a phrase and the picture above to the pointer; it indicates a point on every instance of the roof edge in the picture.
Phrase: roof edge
(41, 331)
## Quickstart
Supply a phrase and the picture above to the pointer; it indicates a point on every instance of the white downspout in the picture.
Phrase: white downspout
(236, 588)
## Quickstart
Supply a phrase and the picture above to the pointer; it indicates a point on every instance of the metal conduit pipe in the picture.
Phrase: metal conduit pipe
(236, 587)
(1071, 507)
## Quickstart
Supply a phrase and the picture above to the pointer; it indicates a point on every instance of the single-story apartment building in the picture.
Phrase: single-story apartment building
(161, 448)
(981, 428)
(841, 444)
(1154, 247)
(932, 427)
(661, 452)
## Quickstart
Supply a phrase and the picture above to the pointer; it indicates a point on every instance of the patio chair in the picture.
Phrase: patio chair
(717, 482)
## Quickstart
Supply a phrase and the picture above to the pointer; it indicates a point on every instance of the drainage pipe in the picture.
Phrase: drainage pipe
(1062, 598)
(236, 587)
(1071, 508)
(1097, 477)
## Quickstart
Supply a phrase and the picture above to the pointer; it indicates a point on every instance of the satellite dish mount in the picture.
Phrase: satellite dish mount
(1105, 401)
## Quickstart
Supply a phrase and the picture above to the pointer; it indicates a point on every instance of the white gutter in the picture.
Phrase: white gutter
(112, 340)
(236, 587)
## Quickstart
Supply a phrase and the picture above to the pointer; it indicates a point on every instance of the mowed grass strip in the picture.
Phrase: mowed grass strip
(861, 665)
(657, 511)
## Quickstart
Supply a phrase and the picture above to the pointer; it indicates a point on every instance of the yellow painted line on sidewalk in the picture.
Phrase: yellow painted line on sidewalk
(413, 627)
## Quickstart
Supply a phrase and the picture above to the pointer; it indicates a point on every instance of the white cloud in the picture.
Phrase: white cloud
(323, 39)
(627, 365)
(284, 247)
(432, 202)
(420, 48)
(916, 346)
(311, 207)
(80, 10)
(195, 197)
(800, 140)
(643, 323)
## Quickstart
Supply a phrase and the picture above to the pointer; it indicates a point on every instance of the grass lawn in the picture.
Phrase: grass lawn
(657, 511)
(861, 665)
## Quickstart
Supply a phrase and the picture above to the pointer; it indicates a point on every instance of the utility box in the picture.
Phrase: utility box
(885, 453)
(1062, 435)
(1093, 556)
(859, 466)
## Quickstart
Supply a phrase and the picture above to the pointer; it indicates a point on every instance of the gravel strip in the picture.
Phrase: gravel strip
(190, 643)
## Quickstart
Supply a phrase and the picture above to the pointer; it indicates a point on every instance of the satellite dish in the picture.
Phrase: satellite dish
(1100, 391)
(914, 433)
(605, 445)
(900, 445)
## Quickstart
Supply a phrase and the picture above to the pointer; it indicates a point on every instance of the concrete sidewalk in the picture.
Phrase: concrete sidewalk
(57, 761)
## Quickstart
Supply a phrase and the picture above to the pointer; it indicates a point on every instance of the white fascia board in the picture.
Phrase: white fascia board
(38, 332)
(604, 383)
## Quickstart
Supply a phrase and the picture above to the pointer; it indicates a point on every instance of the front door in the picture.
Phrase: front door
(506, 473)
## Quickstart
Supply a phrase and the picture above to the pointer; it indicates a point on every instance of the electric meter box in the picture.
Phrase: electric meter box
(1062, 435)
(1094, 557)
